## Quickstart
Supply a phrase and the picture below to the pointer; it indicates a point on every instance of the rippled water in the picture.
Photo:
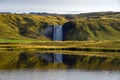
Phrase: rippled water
(59, 75)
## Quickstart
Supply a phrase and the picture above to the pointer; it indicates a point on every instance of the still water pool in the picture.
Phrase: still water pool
(59, 75)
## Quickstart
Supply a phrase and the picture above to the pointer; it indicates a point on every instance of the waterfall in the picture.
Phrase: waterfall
(57, 36)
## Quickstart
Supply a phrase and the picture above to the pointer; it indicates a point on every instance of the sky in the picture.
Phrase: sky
(59, 6)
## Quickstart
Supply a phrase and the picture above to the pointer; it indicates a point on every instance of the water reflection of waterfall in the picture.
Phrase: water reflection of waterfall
(57, 37)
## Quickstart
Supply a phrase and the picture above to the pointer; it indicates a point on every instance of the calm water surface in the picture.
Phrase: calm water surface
(59, 75)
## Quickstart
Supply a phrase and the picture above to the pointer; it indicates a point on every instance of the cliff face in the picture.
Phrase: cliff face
(28, 26)
(89, 26)
(92, 29)
(92, 26)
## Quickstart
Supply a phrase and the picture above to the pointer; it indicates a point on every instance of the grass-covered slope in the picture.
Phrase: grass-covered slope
(102, 28)
(26, 26)
(86, 26)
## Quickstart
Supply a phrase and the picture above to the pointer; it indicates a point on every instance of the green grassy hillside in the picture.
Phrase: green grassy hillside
(100, 28)
(26, 26)
(87, 26)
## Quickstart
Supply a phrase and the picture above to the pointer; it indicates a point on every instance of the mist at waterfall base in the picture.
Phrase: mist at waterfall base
(57, 36)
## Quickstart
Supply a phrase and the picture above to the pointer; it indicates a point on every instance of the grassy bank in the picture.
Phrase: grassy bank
(17, 40)
(102, 46)
(101, 55)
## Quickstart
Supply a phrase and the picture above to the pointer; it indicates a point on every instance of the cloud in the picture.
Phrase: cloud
(1, 0)
(119, 1)
(72, 6)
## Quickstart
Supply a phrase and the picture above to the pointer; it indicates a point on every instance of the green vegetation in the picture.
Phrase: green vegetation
(95, 62)
(92, 26)
(92, 29)
(42, 60)
(27, 26)
(17, 40)
(23, 60)
(87, 26)
(91, 41)
(102, 46)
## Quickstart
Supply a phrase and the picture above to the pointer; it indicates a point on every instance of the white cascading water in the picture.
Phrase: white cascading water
(57, 36)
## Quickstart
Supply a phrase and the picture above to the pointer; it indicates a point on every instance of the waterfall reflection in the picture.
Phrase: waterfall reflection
(57, 36)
